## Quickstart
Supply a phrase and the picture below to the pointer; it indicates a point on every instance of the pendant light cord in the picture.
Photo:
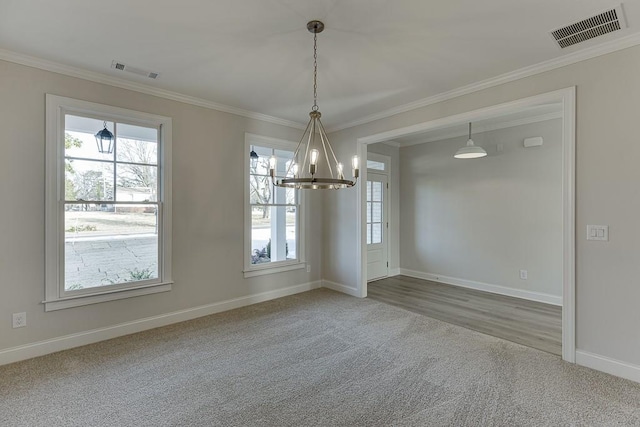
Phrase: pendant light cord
(469, 130)
(315, 71)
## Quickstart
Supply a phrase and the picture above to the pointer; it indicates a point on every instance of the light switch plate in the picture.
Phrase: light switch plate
(598, 232)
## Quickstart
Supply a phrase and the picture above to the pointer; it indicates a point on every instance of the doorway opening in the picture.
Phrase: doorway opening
(564, 101)
(377, 207)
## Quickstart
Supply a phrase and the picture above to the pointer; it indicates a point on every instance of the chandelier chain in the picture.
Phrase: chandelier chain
(315, 72)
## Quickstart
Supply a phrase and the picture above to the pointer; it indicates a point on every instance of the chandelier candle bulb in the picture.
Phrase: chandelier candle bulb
(272, 166)
(313, 161)
(339, 171)
(355, 166)
(294, 170)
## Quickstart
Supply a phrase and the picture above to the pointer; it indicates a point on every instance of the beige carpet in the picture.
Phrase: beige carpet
(313, 359)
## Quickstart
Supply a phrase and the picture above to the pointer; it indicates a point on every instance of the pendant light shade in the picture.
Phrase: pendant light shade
(470, 151)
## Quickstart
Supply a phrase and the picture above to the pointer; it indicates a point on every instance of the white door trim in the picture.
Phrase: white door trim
(385, 212)
(565, 96)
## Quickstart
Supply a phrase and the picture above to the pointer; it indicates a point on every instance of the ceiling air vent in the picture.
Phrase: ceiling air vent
(603, 23)
(122, 67)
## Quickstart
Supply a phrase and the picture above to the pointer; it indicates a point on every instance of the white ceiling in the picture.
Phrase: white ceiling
(374, 55)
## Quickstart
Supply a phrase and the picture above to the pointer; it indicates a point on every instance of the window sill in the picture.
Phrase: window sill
(77, 301)
(274, 269)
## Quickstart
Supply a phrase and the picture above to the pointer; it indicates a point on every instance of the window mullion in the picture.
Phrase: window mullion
(115, 156)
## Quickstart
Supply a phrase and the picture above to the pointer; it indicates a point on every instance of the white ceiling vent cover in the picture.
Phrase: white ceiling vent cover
(603, 23)
(122, 67)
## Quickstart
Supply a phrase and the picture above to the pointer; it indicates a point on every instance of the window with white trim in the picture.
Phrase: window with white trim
(108, 223)
(273, 231)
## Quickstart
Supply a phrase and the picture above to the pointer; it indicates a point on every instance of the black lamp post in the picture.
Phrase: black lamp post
(104, 140)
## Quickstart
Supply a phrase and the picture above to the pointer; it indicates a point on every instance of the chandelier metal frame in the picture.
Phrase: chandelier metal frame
(306, 176)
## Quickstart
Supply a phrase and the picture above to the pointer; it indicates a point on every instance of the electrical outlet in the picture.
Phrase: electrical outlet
(19, 320)
(523, 274)
(308, 268)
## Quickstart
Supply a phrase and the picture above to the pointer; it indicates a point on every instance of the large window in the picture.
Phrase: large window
(273, 214)
(108, 222)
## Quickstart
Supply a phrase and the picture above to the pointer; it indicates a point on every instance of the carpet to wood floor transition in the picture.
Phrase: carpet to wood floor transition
(319, 358)
(530, 323)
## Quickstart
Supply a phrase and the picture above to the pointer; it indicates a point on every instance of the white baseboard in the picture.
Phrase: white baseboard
(341, 288)
(608, 365)
(486, 287)
(66, 342)
(394, 272)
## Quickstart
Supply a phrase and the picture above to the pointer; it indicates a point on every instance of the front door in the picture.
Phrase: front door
(377, 227)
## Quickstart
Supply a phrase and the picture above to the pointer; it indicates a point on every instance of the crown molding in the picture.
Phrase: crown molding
(67, 70)
(571, 58)
(488, 128)
(568, 59)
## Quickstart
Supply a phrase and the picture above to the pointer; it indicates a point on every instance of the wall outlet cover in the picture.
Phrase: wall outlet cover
(598, 232)
(19, 320)
(523, 274)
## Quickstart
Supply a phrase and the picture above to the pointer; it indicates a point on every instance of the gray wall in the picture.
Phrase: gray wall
(485, 219)
(208, 206)
(607, 192)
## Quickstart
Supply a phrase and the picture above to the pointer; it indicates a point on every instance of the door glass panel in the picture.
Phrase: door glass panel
(372, 164)
(376, 233)
(377, 192)
(376, 212)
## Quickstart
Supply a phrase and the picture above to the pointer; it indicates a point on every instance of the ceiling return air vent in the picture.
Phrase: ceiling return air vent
(603, 23)
(122, 67)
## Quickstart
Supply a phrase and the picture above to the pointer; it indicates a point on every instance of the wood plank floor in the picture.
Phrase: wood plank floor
(530, 323)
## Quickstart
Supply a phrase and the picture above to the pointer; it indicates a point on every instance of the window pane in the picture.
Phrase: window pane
(137, 144)
(372, 164)
(376, 212)
(259, 166)
(80, 138)
(136, 183)
(283, 162)
(368, 212)
(260, 190)
(368, 234)
(88, 180)
(273, 234)
(368, 190)
(109, 244)
(376, 233)
(292, 196)
(376, 195)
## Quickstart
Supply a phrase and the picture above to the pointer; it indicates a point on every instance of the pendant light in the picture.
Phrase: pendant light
(470, 151)
(104, 140)
(254, 158)
(315, 167)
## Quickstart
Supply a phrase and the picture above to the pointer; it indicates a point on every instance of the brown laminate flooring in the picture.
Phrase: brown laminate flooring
(530, 323)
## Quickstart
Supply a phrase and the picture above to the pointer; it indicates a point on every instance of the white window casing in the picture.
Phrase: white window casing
(301, 214)
(57, 296)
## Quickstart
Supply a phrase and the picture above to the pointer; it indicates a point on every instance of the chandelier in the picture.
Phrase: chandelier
(312, 170)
